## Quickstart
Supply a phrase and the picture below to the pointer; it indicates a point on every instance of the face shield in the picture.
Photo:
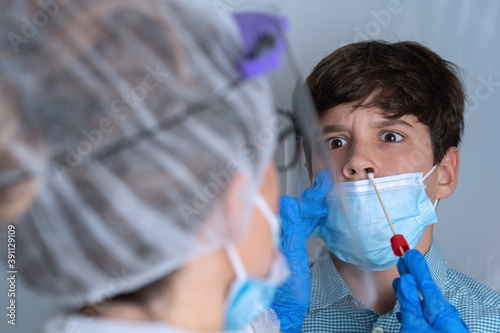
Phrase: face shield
(302, 156)
(128, 151)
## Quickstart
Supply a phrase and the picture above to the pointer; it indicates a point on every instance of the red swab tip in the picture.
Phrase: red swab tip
(399, 245)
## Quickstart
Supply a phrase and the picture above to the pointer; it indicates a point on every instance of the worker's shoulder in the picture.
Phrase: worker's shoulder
(479, 305)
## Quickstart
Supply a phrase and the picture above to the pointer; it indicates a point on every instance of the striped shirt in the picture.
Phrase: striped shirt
(334, 308)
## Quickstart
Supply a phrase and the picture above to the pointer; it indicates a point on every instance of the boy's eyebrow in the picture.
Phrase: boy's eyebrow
(391, 122)
(334, 128)
(379, 124)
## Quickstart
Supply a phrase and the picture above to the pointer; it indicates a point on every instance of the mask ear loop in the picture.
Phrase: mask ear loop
(398, 242)
(429, 173)
(279, 272)
(425, 177)
(232, 253)
(235, 260)
(270, 216)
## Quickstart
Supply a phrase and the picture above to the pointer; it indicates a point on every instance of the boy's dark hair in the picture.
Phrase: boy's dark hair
(404, 78)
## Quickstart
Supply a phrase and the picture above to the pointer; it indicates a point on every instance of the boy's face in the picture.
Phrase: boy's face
(365, 139)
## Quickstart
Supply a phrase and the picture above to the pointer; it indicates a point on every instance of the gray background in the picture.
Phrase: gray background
(464, 32)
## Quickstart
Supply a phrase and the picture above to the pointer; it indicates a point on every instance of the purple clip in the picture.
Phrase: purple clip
(263, 42)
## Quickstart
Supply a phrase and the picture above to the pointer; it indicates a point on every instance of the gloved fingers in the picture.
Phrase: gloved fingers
(293, 242)
(289, 214)
(411, 315)
(312, 223)
(312, 209)
(434, 313)
(402, 266)
(290, 315)
(450, 321)
(410, 327)
(303, 215)
(416, 318)
(434, 303)
(395, 284)
(407, 294)
(291, 301)
(439, 312)
(319, 189)
(435, 306)
(296, 289)
(415, 264)
(293, 247)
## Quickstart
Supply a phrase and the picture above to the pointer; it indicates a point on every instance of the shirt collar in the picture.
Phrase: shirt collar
(437, 264)
(328, 287)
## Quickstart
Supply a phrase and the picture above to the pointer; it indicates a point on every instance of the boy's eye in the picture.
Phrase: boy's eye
(391, 137)
(336, 142)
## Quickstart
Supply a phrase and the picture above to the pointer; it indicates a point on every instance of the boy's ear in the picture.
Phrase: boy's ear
(448, 173)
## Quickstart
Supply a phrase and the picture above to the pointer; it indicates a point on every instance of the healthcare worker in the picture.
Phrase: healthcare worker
(136, 168)
(137, 164)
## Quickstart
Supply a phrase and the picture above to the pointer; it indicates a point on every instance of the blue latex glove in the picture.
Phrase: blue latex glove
(292, 298)
(433, 314)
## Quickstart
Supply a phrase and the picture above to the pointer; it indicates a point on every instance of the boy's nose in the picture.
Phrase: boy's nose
(359, 165)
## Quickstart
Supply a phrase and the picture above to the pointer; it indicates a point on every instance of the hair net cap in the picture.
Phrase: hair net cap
(133, 119)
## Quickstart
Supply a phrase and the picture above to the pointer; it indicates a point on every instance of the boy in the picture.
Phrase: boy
(390, 109)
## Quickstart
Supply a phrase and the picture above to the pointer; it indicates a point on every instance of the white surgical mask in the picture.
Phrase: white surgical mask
(356, 230)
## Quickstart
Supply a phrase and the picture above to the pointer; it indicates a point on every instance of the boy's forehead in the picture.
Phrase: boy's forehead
(345, 113)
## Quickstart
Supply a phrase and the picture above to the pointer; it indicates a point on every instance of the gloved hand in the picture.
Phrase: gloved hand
(433, 314)
(299, 218)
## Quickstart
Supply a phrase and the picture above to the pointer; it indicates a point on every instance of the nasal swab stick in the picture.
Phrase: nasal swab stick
(398, 242)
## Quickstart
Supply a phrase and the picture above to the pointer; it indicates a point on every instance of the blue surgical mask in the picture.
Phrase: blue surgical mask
(356, 230)
(249, 297)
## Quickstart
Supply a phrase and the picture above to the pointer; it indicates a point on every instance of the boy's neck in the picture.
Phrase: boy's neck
(385, 298)
(381, 300)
